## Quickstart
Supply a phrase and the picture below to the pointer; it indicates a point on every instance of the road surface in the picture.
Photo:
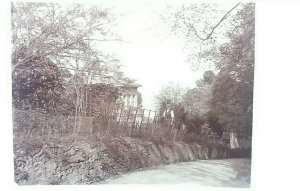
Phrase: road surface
(223, 173)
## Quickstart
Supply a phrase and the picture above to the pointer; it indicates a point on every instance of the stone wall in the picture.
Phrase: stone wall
(91, 161)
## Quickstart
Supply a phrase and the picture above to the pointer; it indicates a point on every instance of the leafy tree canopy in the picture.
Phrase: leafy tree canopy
(37, 84)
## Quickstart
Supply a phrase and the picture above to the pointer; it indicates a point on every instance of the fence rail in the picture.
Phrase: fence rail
(132, 122)
(123, 122)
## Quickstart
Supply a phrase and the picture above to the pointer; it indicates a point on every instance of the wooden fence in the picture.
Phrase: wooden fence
(130, 121)
(122, 122)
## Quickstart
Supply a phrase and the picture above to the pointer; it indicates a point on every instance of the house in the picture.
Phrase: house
(129, 95)
(98, 97)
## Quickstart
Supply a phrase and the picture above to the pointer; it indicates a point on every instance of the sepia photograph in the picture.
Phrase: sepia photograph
(132, 92)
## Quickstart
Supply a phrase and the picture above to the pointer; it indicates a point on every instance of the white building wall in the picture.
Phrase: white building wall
(135, 101)
(130, 100)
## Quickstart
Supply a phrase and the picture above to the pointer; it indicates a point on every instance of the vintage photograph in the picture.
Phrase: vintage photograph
(132, 92)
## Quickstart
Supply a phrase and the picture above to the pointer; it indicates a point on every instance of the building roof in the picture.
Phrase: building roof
(134, 85)
(106, 80)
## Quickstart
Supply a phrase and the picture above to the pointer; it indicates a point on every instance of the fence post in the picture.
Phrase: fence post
(128, 116)
(133, 124)
(141, 123)
(120, 114)
(148, 120)
(154, 121)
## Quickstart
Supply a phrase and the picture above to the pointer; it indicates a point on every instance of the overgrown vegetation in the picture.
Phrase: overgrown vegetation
(222, 102)
(56, 60)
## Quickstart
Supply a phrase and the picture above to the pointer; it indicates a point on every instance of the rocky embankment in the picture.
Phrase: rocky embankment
(91, 161)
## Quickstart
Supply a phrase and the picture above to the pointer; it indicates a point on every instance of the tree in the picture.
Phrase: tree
(198, 100)
(68, 37)
(171, 93)
(59, 33)
(198, 104)
(203, 26)
(101, 99)
(38, 84)
(233, 91)
(231, 94)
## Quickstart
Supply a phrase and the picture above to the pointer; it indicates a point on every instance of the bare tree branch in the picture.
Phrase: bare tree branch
(213, 29)
(56, 30)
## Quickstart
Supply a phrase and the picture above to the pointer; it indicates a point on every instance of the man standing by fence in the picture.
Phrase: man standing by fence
(168, 118)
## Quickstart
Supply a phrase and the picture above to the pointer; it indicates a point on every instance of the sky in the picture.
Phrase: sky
(150, 52)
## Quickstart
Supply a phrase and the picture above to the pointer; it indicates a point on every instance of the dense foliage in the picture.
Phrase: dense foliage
(233, 89)
(57, 66)
(37, 84)
(222, 102)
